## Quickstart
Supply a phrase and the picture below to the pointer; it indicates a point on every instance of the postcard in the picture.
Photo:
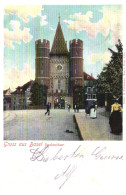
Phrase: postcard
(63, 100)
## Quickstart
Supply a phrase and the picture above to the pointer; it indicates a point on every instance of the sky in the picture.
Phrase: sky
(99, 26)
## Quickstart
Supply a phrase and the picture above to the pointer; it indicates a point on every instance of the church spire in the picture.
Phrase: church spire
(59, 46)
(59, 17)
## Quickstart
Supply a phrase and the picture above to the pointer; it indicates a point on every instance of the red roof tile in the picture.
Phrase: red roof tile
(88, 77)
(24, 87)
(59, 45)
(5, 91)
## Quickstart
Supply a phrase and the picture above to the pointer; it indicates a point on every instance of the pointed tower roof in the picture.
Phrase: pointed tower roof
(59, 46)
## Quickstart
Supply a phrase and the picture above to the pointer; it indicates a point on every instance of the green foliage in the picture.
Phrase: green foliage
(38, 94)
(78, 96)
(110, 79)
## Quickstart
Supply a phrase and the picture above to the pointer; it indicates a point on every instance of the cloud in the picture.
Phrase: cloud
(96, 57)
(43, 21)
(16, 35)
(53, 29)
(111, 21)
(15, 77)
(68, 22)
(80, 23)
(24, 11)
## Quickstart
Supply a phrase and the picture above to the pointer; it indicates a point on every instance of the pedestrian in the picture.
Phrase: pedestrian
(75, 108)
(87, 109)
(93, 113)
(115, 119)
(48, 109)
(68, 106)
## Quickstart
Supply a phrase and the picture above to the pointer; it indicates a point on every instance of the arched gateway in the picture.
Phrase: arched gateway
(59, 103)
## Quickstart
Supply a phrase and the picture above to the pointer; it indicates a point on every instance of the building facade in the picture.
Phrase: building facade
(59, 69)
(7, 99)
(20, 97)
(90, 89)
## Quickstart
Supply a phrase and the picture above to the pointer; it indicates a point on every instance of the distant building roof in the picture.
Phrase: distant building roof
(22, 89)
(25, 86)
(6, 92)
(88, 77)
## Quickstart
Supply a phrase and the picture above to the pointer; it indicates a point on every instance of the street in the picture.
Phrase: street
(35, 125)
(59, 125)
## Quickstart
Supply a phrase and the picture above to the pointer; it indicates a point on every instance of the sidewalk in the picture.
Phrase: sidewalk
(95, 129)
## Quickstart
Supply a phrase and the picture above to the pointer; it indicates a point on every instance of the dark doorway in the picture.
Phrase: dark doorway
(59, 103)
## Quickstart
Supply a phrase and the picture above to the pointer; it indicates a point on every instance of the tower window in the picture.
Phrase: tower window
(58, 84)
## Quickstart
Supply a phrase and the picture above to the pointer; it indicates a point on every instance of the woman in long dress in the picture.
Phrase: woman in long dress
(93, 113)
(115, 119)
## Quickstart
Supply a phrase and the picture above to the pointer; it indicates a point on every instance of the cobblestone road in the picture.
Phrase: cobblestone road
(34, 125)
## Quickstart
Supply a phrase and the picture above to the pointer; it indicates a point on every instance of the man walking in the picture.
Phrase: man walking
(69, 106)
(48, 109)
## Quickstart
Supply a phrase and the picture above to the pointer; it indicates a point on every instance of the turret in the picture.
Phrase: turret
(76, 63)
(42, 62)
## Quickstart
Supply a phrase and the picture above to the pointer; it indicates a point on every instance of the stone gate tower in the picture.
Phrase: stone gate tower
(59, 69)
(76, 64)
(42, 62)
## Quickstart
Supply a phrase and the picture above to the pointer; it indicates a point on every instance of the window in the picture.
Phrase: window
(94, 90)
(89, 89)
(85, 83)
(28, 89)
(58, 84)
(94, 96)
(91, 83)
(89, 96)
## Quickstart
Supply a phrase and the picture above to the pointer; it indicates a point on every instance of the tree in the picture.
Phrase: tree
(38, 94)
(110, 79)
(78, 96)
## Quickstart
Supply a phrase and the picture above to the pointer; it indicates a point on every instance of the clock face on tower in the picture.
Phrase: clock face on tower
(59, 67)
